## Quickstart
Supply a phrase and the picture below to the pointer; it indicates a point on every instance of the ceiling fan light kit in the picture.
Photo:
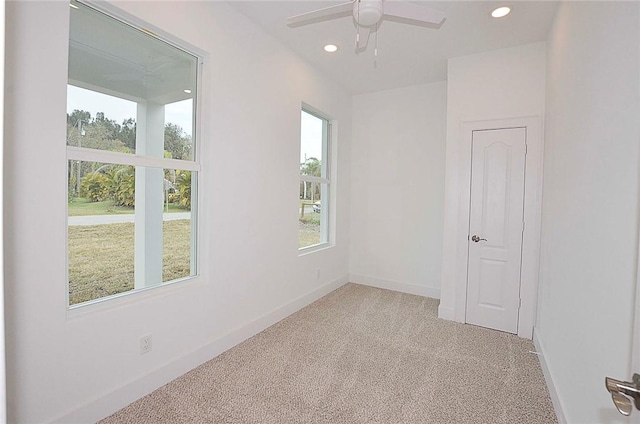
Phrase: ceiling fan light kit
(368, 14)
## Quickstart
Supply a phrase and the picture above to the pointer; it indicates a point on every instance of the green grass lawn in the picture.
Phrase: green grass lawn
(309, 230)
(101, 258)
(308, 238)
(81, 207)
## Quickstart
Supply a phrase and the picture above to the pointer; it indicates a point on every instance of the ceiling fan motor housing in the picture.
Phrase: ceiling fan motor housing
(367, 12)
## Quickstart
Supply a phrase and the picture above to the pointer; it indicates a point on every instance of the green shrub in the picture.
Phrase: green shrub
(183, 183)
(95, 186)
(123, 186)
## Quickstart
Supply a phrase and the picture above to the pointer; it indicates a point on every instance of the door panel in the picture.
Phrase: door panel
(497, 200)
(492, 273)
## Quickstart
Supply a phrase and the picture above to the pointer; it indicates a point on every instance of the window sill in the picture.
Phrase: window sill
(132, 297)
(315, 248)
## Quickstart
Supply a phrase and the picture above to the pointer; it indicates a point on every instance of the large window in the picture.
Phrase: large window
(131, 158)
(313, 226)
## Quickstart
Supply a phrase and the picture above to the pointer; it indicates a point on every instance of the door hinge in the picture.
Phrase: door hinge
(526, 149)
(520, 304)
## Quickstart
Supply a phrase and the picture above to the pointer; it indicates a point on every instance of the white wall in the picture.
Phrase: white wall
(397, 181)
(59, 363)
(489, 86)
(3, 380)
(590, 204)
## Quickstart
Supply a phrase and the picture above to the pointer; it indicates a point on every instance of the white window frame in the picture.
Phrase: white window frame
(82, 154)
(325, 182)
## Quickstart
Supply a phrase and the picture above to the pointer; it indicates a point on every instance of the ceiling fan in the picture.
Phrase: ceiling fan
(368, 14)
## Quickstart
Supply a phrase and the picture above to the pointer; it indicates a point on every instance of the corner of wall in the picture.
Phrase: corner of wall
(408, 288)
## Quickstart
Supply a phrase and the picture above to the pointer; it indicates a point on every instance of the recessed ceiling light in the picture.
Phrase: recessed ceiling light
(330, 48)
(74, 6)
(187, 91)
(501, 12)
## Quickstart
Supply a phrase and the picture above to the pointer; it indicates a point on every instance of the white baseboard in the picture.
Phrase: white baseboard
(548, 378)
(396, 286)
(133, 390)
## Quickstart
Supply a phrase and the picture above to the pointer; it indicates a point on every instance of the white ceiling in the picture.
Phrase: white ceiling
(407, 54)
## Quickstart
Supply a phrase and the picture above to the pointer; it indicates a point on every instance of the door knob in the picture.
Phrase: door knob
(623, 393)
(477, 239)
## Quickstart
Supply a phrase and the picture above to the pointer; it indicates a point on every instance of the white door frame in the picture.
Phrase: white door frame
(634, 365)
(532, 215)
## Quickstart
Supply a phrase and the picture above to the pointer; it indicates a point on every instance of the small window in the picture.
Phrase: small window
(315, 184)
(131, 158)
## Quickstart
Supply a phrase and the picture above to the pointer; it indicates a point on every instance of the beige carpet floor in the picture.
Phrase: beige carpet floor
(359, 355)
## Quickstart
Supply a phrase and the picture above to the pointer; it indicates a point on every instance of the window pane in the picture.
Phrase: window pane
(100, 121)
(177, 236)
(100, 230)
(313, 226)
(311, 215)
(101, 261)
(129, 228)
(311, 145)
(128, 91)
(178, 129)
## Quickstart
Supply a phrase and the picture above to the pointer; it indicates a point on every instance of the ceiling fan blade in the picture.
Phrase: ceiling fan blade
(312, 17)
(413, 12)
(363, 39)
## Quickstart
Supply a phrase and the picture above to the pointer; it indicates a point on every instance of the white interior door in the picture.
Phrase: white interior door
(625, 391)
(495, 228)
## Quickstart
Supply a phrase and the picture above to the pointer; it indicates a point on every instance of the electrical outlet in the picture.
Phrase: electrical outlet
(146, 344)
